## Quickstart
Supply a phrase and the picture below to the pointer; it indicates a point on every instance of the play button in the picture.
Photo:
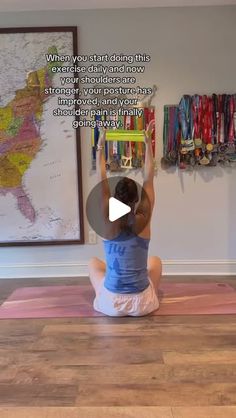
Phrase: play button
(117, 209)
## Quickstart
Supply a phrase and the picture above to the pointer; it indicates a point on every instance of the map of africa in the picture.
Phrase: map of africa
(38, 161)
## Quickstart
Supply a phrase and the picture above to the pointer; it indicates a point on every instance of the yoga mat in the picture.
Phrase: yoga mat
(77, 301)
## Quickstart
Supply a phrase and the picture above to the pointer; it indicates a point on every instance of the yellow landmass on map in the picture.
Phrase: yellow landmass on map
(10, 176)
(6, 116)
(33, 80)
(20, 161)
(23, 93)
(41, 73)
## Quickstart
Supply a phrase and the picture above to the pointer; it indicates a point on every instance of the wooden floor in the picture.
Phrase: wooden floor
(167, 367)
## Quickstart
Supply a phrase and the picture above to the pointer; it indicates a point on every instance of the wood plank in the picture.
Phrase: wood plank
(87, 412)
(37, 394)
(7, 374)
(154, 320)
(200, 357)
(20, 341)
(149, 374)
(138, 329)
(74, 350)
(184, 394)
(205, 412)
(71, 347)
(16, 356)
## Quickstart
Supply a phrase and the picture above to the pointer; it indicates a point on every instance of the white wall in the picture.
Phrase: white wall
(193, 51)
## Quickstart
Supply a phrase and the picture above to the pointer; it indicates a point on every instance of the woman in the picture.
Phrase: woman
(127, 284)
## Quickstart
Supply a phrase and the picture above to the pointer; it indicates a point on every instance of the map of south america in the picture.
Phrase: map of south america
(20, 139)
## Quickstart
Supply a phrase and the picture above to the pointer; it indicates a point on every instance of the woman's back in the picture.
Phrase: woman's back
(126, 260)
(125, 284)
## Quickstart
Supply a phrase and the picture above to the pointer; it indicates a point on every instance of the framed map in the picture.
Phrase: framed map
(40, 154)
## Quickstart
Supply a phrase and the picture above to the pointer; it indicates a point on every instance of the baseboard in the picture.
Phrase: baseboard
(170, 267)
(34, 271)
(200, 267)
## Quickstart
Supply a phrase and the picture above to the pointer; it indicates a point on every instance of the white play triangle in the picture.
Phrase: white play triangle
(117, 209)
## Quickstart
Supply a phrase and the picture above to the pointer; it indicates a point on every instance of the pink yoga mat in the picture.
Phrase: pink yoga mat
(77, 301)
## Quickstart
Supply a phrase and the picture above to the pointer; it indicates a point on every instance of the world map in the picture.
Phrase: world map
(33, 143)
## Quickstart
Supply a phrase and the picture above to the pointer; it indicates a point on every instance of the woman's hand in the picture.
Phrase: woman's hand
(148, 132)
(102, 136)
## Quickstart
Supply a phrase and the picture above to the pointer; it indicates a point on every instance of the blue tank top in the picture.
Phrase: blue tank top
(126, 261)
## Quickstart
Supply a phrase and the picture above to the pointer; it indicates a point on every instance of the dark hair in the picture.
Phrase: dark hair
(126, 191)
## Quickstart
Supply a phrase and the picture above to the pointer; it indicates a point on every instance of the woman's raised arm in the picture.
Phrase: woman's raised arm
(101, 173)
(145, 207)
(149, 164)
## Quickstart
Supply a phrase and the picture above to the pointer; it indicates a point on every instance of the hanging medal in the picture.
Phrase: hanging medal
(234, 117)
(185, 123)
(231, 120)
(165, 162)
(196, 111)
(218, 117)
(231, 144)
(227, 117)
(222, 120)
(215, 114)
(171, 151)
(184, 118)
(205, 129)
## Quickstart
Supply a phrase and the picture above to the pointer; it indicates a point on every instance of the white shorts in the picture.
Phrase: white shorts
(126, 304)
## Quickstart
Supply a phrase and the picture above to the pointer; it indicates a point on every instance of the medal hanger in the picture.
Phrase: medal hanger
(201, 130)
(125, 147)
